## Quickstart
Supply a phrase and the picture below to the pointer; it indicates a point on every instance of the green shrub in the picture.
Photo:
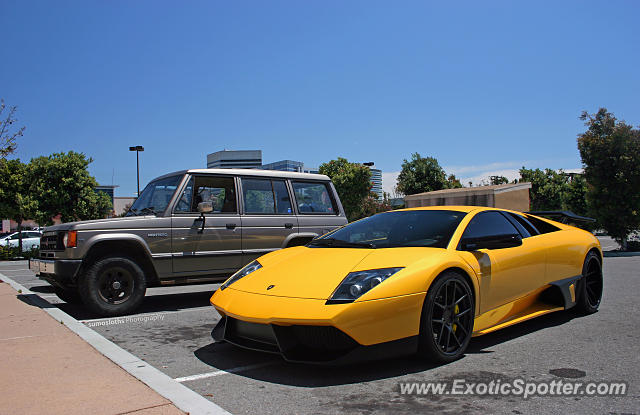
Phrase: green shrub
(9, 253)
(633, 246)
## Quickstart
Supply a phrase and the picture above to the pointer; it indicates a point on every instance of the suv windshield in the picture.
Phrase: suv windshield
(428, 228)
(155, 197)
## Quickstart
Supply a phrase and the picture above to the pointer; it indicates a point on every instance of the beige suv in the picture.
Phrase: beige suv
(185, 227)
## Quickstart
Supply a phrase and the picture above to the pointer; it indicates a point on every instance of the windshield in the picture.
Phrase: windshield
(428, 228)
(155, 197)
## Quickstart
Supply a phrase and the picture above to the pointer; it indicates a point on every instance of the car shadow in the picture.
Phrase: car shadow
(272, 368)
(152, 304)
(42, 289)
(482, 344)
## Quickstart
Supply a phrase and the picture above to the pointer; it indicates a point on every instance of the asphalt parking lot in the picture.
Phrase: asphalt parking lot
(172, 333)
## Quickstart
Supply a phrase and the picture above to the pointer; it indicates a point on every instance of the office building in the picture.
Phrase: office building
(235, 159)
(290, 165)
(284, 165)
(109, 190)
(376, 182)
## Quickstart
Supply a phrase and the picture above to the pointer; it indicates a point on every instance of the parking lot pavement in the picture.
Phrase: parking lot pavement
(172, 333)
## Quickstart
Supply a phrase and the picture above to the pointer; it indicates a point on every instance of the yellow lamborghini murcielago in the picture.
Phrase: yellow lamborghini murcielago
(422, 280)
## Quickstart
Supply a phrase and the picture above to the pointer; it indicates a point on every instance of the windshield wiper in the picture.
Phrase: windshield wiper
(148, 209)
(138, 212)
(339, 243)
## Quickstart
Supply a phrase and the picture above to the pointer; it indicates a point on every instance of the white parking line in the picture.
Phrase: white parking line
(223, 372)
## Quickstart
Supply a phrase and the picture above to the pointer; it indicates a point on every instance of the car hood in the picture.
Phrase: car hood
(108, 223)
(315, 273)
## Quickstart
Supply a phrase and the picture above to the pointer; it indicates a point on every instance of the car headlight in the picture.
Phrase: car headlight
(358, 283)
(246, 270)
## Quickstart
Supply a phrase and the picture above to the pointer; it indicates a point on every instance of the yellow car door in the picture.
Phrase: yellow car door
(506, 273)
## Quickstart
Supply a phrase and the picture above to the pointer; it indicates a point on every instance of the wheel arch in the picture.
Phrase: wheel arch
(473, 283)
(127, 248)
(598, 252)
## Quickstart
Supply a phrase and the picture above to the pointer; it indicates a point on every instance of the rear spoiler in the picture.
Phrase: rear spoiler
(562, 216)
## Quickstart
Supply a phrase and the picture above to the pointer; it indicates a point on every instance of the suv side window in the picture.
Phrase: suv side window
(266, 196)
(488, 224)
(314, 198)
(219, 191)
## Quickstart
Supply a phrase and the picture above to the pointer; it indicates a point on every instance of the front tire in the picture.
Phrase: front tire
(447, 319)
(590, 285)
(113, 286)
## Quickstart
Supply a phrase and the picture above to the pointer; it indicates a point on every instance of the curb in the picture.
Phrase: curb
(181, 396)
(615, 254)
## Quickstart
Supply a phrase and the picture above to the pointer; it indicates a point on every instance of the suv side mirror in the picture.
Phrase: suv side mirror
(205, 207)
(491, 242)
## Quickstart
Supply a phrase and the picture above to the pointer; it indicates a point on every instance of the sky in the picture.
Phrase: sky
(484, 87)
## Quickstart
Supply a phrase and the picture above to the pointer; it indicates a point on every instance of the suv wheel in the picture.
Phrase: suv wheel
(113, 286)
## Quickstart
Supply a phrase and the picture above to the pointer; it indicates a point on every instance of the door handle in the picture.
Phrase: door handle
(231, 225)
(288, 225)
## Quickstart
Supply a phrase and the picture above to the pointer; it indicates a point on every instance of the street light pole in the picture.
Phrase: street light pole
(137, 149)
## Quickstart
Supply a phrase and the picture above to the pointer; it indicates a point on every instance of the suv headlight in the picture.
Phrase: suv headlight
(358, 283)
(246, 270)
(70, 239)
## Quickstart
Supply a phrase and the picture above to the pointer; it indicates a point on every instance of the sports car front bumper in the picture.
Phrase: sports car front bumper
(309, 330)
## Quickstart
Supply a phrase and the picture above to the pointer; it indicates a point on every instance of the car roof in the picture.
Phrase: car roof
(460, 208)
(447, 207)
(252, 172)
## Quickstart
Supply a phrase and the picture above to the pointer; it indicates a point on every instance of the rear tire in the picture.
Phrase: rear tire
(447, 319)
(590, 285)
(113, 286)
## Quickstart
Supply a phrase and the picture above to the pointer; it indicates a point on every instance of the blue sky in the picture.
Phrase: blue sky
(485, 87)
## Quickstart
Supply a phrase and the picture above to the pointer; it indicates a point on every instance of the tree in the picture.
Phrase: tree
(371, 205)
(574, 198)
(8, 134)
(610, 152)
(64, 187)
(352, 182)
(547, 188)
(16, 199)
(453, 182)
(421, 174)
(498, 180)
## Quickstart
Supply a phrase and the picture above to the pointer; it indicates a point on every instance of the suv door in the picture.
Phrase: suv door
(216, 248)
(317, 208)
(505, 274)
(267, 217)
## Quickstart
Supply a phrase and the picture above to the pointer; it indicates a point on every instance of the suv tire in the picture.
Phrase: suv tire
(113, 286)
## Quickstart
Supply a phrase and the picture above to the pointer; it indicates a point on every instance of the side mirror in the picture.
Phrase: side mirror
(491, 242)
(205, 207)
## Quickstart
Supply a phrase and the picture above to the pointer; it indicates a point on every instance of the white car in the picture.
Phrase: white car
(30, 240)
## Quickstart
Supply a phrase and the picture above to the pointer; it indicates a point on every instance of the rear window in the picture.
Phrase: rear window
(524, 223)
(314, 198)
(542, 226)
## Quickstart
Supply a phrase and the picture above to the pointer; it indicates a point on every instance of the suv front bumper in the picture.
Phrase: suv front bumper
(57, 271)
